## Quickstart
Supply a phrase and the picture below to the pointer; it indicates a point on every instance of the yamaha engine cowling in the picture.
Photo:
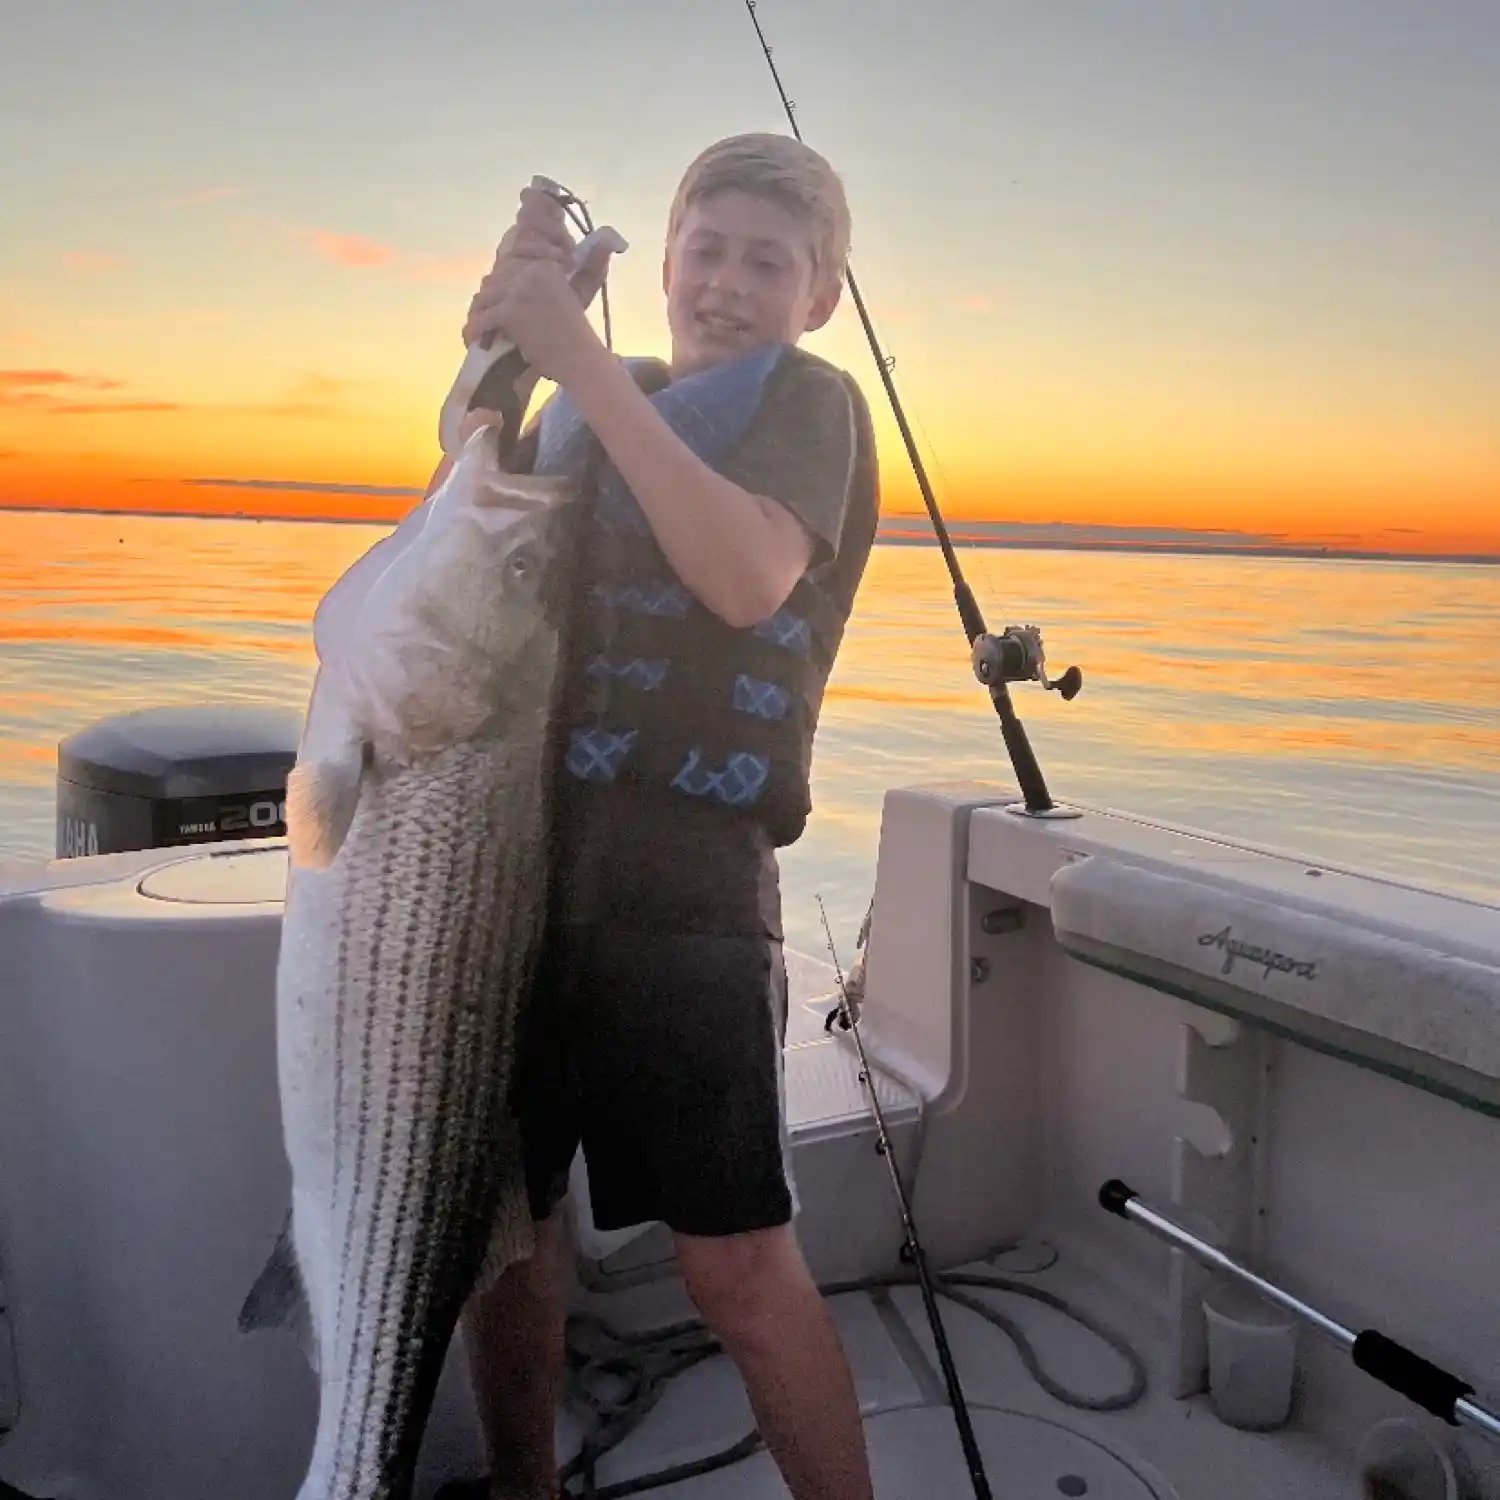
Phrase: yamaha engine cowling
(169, 776)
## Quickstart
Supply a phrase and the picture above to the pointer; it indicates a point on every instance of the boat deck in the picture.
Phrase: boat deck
(1354, 1169)
(1035, 1446)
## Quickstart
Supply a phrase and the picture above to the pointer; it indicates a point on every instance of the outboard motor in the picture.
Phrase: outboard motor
(169, 776)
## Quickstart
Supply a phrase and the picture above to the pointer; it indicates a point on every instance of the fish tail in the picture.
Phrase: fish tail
(321, 799)
(278, 1299)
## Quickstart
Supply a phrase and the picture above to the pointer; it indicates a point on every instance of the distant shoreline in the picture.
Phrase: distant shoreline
(961, 541)
(1199, 549)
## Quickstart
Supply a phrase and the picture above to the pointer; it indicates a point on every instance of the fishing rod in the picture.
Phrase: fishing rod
(1016, 654)
(911, 1250)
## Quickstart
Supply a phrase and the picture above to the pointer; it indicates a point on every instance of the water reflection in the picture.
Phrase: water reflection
(1348, 709)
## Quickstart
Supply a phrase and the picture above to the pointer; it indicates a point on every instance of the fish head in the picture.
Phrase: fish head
(497, 565)
(528, 524)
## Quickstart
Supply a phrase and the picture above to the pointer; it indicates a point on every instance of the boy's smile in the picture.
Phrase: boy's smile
(739, 275)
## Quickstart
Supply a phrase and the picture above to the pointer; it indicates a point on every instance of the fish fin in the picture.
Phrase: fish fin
(279, 1298)
(322, 797)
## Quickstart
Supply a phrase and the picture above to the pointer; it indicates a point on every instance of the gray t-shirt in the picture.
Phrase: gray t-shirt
(799, 450)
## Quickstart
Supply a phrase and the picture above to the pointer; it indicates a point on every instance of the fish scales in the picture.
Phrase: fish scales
(418, 824)
(413, 1117)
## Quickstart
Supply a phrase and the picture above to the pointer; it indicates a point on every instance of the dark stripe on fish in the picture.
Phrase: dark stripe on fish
(381, 932)
(345, 922)
(422, 887)
(490, 972)
(439, 980)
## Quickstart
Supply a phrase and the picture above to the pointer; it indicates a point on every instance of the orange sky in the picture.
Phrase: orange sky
(1405, 499)
(1115, 298)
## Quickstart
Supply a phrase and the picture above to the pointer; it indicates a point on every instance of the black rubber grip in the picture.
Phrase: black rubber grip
(497, 392)
(1415, 1378)
(1114, 1195)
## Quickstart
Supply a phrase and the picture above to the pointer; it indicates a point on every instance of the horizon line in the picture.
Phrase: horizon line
(1309, 551)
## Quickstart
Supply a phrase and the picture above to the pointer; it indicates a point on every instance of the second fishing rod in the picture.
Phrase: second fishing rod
(1016, 654)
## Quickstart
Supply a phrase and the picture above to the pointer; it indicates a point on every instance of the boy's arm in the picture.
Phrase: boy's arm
(740, 553)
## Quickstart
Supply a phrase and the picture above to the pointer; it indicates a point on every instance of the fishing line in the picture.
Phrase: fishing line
(629, 129)
(578, 215)
(979, 560)
(1016, 654)
(911, 1252)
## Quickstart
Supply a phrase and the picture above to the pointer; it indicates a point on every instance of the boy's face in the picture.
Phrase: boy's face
(739, 275)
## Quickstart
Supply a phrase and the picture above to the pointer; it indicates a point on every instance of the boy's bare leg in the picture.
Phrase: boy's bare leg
(514, 1333)
(755, 1293)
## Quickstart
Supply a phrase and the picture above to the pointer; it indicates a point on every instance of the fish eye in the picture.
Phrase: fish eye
(522, 563)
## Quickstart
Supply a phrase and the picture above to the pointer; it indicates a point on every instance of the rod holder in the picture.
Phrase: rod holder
(1426, 1384)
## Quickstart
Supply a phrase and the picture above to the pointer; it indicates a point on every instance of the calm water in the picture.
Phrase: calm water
(1348, 710)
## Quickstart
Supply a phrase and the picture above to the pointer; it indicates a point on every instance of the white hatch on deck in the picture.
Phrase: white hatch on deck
(251, 877)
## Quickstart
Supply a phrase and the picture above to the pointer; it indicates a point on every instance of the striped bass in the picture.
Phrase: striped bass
(417, 817)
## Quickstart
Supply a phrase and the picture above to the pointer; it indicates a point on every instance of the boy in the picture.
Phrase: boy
(656, 1031)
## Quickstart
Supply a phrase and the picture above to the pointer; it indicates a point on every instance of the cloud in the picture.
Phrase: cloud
(312, 396)
(358, 252)
(362, 253)
(892, 312)
(52, 393)
(914, 530)
(352, 250)
(92, 260)
(9, 453)
(108, 408)
(21, 379)
(322, 487)
(975, 302)
(206, 195)
(61, 393)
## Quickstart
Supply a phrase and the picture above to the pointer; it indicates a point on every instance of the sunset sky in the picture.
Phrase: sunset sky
(1177, 264)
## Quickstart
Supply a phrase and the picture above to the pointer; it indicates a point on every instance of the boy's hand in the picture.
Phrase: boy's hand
(539, 310)
(539, 237)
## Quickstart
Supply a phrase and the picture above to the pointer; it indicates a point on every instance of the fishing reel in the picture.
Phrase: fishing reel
(1016, 655)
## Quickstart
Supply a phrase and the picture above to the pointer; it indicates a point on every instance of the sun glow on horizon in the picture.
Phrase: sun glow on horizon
(1113, 301)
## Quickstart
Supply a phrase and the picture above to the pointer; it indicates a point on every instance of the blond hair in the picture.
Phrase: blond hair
(784, 171)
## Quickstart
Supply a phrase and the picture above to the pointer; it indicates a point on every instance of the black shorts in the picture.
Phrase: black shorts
(661, 1054)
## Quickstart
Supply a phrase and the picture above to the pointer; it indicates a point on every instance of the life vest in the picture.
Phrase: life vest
(660, 692)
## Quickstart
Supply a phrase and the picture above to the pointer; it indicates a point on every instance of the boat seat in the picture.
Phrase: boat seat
(1339, 975)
